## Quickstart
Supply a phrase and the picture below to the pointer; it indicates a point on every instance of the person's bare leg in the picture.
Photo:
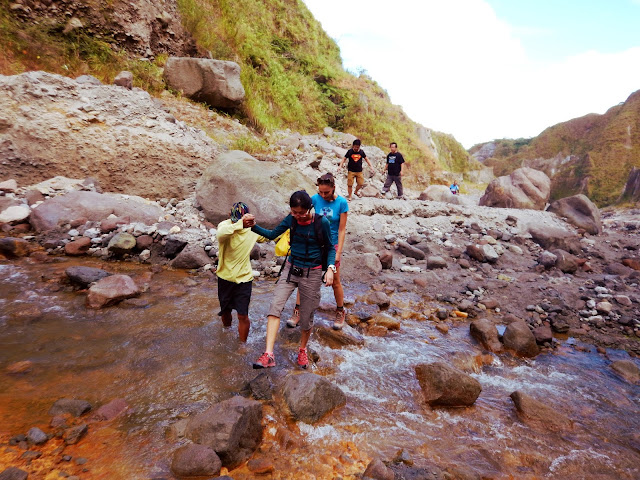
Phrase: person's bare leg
(226, 318)
(243, 327)
(338, 291)
(349, 189)
(273, 323)
(304, 338)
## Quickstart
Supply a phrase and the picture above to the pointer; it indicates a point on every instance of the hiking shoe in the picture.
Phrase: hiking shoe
(266, 360)
(295, 318)
(340, 316)
(303, 359)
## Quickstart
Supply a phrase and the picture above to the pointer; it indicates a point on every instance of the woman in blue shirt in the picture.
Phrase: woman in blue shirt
(334, 208)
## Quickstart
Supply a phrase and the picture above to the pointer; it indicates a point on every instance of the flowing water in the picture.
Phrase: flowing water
(168, 357)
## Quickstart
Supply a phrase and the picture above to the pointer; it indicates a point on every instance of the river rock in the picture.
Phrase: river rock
(232, 428)
(524, 188)
(551, 237)
(376, 470)
(338, 338)
(539, 414)
(72, 406)
(92, 206)
(519, 338)
(310, 397)
(543, 334)
(580, 212)
(565, 262)
(379, 298)
(436, 262)
(627, 370)
(192, 256)
(35, 436)
(195, 461)
(370, 263)
(122, 243)
(215, 82)
(387, 321)
(111, 290)
(236, 176)
(74, 434)
(13, 473)
(171, 246)
(12, 247)
(446, 386)
(85, 276)
(109, 411)
(261, 387)
(485, 332)
(410, 251)
(78, 247)
(15, 214)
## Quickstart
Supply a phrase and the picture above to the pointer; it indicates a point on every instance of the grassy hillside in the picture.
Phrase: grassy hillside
(291, 70)
(592, 154)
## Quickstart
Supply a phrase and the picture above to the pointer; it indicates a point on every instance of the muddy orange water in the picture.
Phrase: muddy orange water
(169, 358)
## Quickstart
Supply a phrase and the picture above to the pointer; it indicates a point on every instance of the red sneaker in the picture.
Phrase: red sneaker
(266, 360)
(303, 359)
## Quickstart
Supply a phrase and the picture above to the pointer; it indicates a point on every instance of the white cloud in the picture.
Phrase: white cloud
(455, 67)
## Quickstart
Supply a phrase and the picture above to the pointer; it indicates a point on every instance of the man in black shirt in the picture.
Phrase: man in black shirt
(394, 167)
(355, 155)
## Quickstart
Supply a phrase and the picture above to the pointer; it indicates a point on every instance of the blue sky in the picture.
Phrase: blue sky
(486, 69)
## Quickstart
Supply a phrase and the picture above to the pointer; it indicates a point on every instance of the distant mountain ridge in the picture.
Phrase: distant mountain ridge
(593, 154)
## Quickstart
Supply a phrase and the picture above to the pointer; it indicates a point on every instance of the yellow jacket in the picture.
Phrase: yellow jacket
(234, 246)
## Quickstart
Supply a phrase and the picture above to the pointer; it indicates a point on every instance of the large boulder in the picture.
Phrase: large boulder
(539, 414)
(551, 237)
(443, 385)
(627, 370)
(12, 247)
(524, 188)
(580, 212)
(232, 428)
(195, 461)
(519, 338)
(265, 187)
(485, 332)
(94, 207)
(111, 290)
(192, 256)
(310, 397)
(85, 276)
(215, 82)
(441, 193)
(15, 213)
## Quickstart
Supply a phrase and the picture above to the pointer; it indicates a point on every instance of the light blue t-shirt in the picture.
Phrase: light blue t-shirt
(331, 210)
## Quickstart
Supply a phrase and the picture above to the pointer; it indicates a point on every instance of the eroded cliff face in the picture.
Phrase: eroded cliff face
(143, 27)
(593, 154)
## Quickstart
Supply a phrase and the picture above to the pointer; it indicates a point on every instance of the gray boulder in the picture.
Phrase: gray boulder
(264, 186)
(192, 256)
(93, 207)
(111, 290)
(215, 82)
(519, 338)
(565, 262)
(310, 397)
(524, 188)
(550, 237)
(195, 461)
(85, 276)
(580, 212)
(485, 332)
(71, 406)
(36, 436)
(410, 251)
(446, 386)
(539, 414)
(232, 428)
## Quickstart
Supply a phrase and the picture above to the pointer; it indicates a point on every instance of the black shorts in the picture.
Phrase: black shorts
(234, 296)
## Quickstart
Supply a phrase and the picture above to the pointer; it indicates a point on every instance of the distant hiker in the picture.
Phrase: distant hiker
(334, 208)
(394, 168)
(354, 167)
(234, 272)
(303, 270)
(455, 190)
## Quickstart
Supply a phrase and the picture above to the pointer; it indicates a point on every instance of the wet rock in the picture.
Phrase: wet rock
(18, 368)
(111, 410)
(580, 212)
(12, 247)
(78, 247)
(543, 334)
(627, 370)
(195, 461)
(260, 466)
(386, 260)
(539, 414)
(519, 338)
(260, 387)
(192, 256)
(376, 470)
(111, 290)
(71, 406)
(387, 321)
(232, 428)
(122, 243)
(74, 434)
(524, 188)
(379, 298)
(338, 338)
(172, 246)
(85, 276)
(13, 473)
(446, 386)
(31, 455)
(310, 397)
(485, 332)
(35, 436)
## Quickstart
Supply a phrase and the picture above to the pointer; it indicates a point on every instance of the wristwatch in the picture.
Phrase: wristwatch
(332, 268)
